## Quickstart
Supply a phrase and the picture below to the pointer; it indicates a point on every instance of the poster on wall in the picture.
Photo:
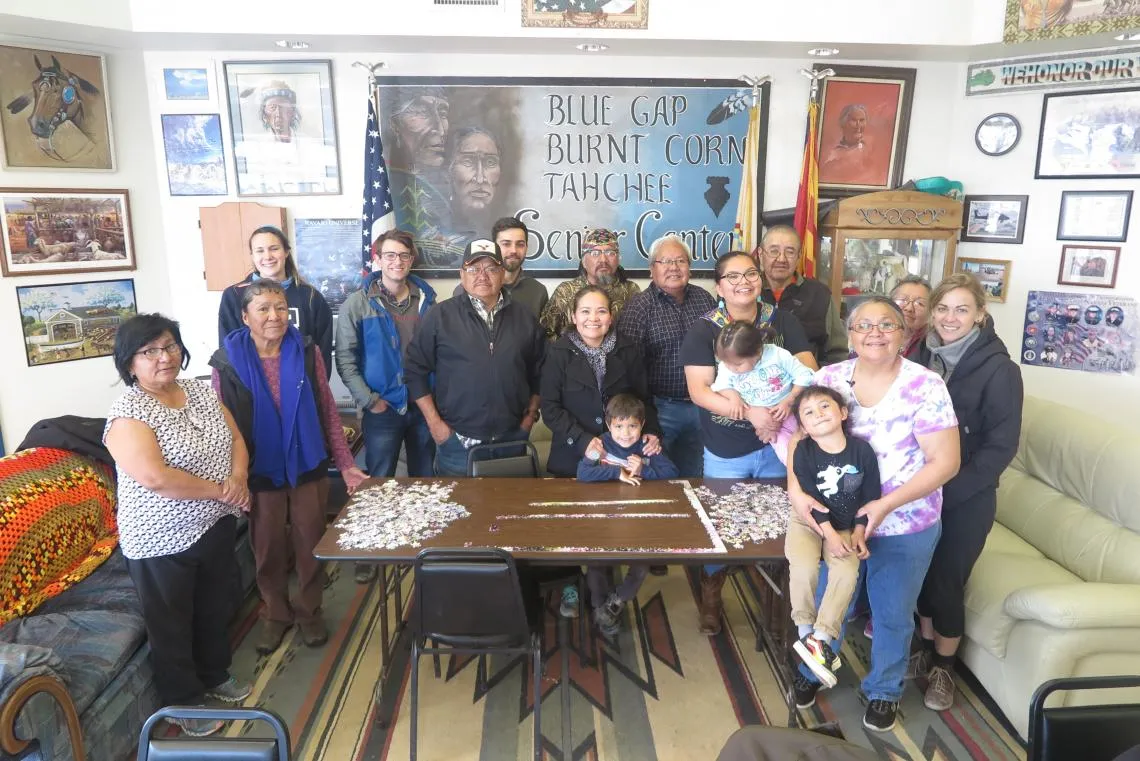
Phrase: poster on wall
(641, 157)
(328, 256)
(195, 158)
(1089, 332)
(1029, 20)
(69, 321)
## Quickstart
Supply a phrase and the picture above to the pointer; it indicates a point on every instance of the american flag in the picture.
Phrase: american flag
(379, 214)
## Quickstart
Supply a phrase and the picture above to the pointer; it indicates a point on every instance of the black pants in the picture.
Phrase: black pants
(187, 602)
(965, 527)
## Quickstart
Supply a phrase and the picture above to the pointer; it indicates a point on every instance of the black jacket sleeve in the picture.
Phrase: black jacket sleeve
(1002, 401)
(558, 419)
(229, 313)
(538, 358)
(323, 329)
(420, 363)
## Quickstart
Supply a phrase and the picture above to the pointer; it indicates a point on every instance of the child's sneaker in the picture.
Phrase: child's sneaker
(568, 608)
(819, 657)
(804, 690)
(606, 616)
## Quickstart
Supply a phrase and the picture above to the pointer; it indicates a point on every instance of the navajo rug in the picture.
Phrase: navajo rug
(660, 692)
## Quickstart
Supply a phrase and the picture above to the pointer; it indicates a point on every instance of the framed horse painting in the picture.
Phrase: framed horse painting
(54, 110)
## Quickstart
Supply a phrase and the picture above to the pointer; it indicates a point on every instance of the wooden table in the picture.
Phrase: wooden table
(560, 521)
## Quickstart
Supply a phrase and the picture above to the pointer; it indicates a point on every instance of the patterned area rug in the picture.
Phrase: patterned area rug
(660, 692)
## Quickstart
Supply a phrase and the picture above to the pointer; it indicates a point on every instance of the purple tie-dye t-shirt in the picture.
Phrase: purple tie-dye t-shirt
(917, 403)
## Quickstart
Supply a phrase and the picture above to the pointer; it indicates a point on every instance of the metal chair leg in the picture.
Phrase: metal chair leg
(415, 683)
(435, 661)
(583, 619)
(536, 656)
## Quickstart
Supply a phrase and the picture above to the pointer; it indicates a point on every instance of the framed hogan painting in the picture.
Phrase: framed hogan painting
(56, 231)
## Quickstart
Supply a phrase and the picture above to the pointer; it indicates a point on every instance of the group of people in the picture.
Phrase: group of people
(892, 450)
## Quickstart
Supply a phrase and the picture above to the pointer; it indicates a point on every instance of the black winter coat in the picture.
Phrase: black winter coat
(573, 407)
(987, 393)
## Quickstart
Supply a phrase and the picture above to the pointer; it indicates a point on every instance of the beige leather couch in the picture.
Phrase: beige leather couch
(1056, 592)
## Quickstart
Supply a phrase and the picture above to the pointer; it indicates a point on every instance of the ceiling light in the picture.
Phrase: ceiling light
(592, 47)
(1128, 36)
(292, 44)
(823, 52)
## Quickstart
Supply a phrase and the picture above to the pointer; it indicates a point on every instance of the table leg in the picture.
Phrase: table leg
(773, 624)
(564, 688)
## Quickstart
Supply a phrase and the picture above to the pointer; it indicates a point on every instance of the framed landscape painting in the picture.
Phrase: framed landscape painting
(993, 274)
(1091, 133)
(68, 321)
(195, 158)
(54, 232)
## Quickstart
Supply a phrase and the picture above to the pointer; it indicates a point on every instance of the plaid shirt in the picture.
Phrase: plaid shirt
(488, 317)
(656, 322)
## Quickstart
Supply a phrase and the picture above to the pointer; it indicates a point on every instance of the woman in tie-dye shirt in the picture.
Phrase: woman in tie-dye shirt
(905, 412)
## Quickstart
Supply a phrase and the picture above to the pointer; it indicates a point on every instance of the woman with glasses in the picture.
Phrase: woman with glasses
(912, 294)
(985, 385)
(272, 259)
(734, 448)
(272, 380)
(181, 465)
(904, 411)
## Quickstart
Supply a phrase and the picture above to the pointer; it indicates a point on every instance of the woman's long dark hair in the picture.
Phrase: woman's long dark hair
(290, 265)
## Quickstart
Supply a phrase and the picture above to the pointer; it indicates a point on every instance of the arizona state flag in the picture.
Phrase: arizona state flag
(745, 228)
(807, 201)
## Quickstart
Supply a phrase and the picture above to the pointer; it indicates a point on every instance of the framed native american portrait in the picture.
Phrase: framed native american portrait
(283, 125)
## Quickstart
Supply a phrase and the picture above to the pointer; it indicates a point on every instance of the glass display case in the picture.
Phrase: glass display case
(870, 242)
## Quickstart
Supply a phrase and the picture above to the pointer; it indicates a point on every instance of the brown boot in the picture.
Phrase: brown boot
(711, 607)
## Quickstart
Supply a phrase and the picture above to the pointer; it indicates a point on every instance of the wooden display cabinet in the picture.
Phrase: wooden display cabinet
(870, 242)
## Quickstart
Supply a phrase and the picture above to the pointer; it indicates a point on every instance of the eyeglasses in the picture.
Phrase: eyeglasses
(774, 253)
(174, 351)
(596, 252)
(489, 270)
(391, 256)
(671, 262)
(886, 326)
(917, 303)
(750, 276)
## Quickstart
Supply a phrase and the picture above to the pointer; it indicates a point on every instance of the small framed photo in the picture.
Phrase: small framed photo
(186, 83)
(1100, 215)
(994, 219)
(67, 321)
(195, 158)
(56, 231)
(993, 274)
(1093, 266)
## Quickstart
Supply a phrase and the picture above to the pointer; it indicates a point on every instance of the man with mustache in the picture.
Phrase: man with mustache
(600, 266)
(511, 235)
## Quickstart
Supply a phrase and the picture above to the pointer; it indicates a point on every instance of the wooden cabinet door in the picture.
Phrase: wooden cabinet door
(225, 239)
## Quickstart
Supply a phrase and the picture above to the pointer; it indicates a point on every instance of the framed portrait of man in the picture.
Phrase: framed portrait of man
(283, 123)
(863, 124)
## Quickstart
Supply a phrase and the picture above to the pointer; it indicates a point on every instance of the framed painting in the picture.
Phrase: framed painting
(586, 14)
(993, 274)
(54, 232)
(994, 219)
(195, 159)
(68, 321)
(283, 124)
(1031, 20)
(1092, 134)
(1100, 215)
(1093, 266)
(864, 120)
(54, 110)
(186, 83)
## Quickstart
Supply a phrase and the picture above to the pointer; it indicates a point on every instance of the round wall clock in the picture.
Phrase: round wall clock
(998, 134)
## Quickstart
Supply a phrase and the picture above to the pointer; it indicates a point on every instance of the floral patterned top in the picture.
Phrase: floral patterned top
(917, 403)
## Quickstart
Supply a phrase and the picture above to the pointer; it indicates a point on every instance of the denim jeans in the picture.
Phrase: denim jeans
(763, 463)
(681, 439)
(384, 432)
(451, 455)
(894, 574)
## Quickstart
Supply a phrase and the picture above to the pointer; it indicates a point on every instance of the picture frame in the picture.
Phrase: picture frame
(64, 231)
(1090, 266)
(997, 134)
(195, 154)
(1094, 215)
(283, 127)
(63, 322)
(861, 155)
(186, 83)
(994, 219)
(1088, 134)
(585, 14)
(993, 274)
(48, 82)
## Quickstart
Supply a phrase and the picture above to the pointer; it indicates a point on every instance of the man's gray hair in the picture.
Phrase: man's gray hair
(655, 248)
(912, 280)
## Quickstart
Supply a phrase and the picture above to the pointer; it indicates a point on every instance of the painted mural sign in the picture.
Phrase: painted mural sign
(1028, 20)
(1054, 72)
(1089, 332)
(641, 157)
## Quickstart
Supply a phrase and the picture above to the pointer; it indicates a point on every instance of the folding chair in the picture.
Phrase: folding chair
(1088, 733)
(524, 465)
(469, 601)
(214, 747)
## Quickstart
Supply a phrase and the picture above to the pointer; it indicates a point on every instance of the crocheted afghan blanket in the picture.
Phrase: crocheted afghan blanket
(57, 525)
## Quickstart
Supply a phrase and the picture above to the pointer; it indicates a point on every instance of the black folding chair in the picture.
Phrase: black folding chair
(521, 460)
(215, 747)
(469, 601)
(1088, 733)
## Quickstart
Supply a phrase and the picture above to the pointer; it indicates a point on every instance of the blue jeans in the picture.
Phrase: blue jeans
(681, 434)
(384, 432)
(894, 574)
(451, 455)
(763, 463)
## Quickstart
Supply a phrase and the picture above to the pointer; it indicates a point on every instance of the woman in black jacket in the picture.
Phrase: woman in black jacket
(584, 369)
(985, 386)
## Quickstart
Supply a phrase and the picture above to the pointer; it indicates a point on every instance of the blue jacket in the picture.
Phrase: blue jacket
(656, 468)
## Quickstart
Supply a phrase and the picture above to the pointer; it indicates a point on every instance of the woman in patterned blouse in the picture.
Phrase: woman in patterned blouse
(181, 485)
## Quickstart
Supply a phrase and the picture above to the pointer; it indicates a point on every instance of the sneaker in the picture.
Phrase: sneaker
(919, 663)
(364, 573)
(880, 715)
(818, 656)
(869, 629)
(230, 691)
(314, 633)
(198, 727)
(804, 690)
(607, 616)
(269, 636)
(568, 608)
(940, 690)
